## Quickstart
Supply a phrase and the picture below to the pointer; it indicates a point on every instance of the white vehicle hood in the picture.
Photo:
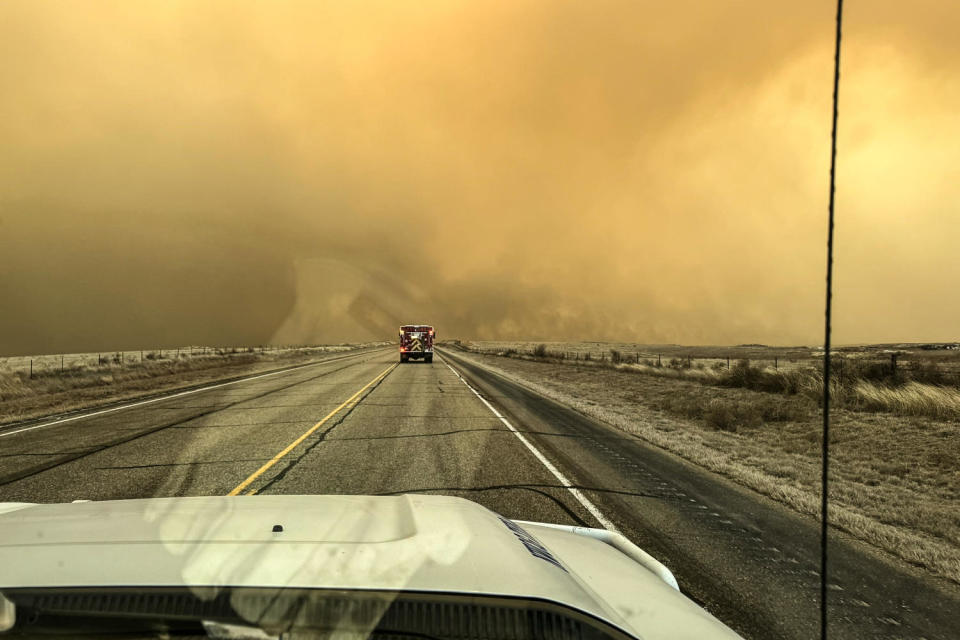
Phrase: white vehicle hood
(415, 542)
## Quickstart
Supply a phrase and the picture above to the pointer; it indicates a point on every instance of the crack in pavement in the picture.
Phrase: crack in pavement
(321, 437)
(530, 485)
(40, 455)
(535, 488)
(242, 424)
(458, 431)
(187, 407)
(180, 464)
(277, 406)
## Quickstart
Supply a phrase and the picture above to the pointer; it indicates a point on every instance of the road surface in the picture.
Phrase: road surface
(362, 424)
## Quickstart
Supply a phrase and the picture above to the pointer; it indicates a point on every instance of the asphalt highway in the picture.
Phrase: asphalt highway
(364, 424)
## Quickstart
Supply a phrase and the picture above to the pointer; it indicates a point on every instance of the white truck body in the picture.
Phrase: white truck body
(414, 542)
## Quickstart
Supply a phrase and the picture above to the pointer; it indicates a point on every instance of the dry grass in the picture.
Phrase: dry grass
(913, 398)
(929, 385)
(89, 380)
(896, 478)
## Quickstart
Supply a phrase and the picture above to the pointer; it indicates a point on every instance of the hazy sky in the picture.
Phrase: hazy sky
(244, 172)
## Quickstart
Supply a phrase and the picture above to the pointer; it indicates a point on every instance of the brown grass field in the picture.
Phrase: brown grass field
(895, 435)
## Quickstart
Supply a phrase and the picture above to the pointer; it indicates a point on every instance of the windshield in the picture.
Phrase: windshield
(558, 265)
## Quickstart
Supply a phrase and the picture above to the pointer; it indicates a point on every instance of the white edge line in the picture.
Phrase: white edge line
(152, 400)
(582, 499)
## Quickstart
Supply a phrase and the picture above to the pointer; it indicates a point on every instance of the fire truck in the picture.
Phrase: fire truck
(416, 341)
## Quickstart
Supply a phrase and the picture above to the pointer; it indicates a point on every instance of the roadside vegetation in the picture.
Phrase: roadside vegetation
(895, 432)
(37, 386)
(912, 388)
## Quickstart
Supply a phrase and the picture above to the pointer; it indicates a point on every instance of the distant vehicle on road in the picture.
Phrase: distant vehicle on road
(416, 341)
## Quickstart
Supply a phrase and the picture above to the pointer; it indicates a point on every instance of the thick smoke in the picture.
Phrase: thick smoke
(245, 172)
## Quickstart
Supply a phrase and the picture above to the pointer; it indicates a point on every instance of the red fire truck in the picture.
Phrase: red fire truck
(416, 341)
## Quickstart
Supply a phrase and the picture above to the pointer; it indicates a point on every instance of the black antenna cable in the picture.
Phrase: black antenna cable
(825, 464)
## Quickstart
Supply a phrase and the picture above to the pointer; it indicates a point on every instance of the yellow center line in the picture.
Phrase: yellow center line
(351, 401)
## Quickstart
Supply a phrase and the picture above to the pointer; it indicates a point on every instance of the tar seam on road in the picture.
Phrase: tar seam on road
(175, 395)
(576, 493)
(318, 439)
(293, 445)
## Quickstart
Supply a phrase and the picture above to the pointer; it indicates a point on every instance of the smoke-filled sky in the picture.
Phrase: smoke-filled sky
(232, 172)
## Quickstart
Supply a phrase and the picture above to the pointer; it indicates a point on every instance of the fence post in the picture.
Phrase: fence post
(658, 359)
(893, 364)
(121, 358)
(99, 361)
(61, 363)
(728, 362)
(775, 367)
(141, 356)
(31, 368)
